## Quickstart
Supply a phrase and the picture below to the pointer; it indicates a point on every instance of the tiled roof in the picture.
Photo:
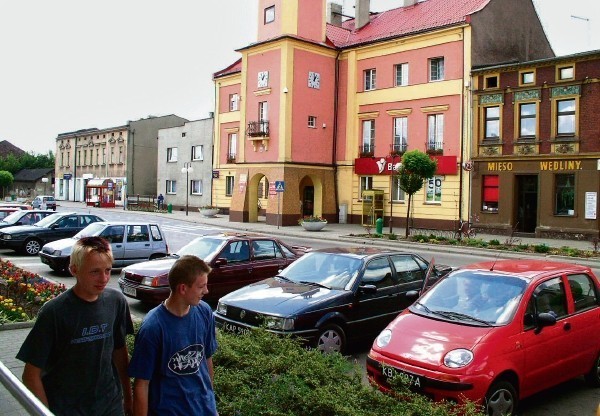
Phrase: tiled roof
(7, 148)
(32, 175)
(421, 17)
(231, 69)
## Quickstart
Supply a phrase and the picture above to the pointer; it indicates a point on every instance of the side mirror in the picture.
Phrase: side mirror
(220, 262)
(54, 226)
(413, 295)
(368, 289)
(545, 319)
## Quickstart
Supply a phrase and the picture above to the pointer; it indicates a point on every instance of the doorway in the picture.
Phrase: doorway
(308, 201)
(527, 203)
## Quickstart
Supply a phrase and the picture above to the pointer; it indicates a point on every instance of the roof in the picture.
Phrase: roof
(32, 175)
(7, 148)
(526, 268)
(231, 69)
(403, 21)
(594, 54)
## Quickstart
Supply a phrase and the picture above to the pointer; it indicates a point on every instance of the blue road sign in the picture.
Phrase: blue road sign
(279, 186)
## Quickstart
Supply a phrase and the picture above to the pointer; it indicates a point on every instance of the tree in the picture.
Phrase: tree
(415, 168)
(6, 179)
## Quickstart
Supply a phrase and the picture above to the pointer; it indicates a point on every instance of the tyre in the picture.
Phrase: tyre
(331, 339)
(593, 377)
(501, 399)
(457, 235)
(471, 233)
(32, 247)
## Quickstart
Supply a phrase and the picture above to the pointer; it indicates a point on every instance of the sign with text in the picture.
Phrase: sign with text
(591, 202)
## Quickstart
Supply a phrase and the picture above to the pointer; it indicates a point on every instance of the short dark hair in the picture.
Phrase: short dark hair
(86, 245)
(186, 270)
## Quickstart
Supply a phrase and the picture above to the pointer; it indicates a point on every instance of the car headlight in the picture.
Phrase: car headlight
(6, 237)
(57, 253)
(222, 309)
(458, 358)
(384, 338)
(275, 322)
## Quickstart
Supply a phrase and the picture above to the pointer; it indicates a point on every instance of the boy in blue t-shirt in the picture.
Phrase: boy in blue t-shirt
(172, 359)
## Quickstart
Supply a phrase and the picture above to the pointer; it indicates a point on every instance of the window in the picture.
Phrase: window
(582, 291)
(565, 73)
(196, 187)
(397, 193)
(85, 157)
(407, 268)
(171, 154)
(263, 117)
(435, 132)
(548, 297)
(197, 152)
(265, 249)
(366, 183)
(231, 147)
(234, 100)
(61, 187)
(112, 155)
(171, 187)
(138, 233)
(491, 82)
(120, 154)
(400, 135)
(183, 134)
(269, 14)
(104, 156)
(527, 120)
(370, 78)
(492, 123)
(114, 234)
(379, 273)
(401, 75)
(434, 189)
(565, 117)
(436, 69)
(62, 159)
(97, 157)
(312, 122)
(229, 180)
(490, 193)
(565, 194)
(527, 77)
(368, 138)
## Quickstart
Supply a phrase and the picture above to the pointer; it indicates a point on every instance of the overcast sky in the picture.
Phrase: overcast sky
(70, 64)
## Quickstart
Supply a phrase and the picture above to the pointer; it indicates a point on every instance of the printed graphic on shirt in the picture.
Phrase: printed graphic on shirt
(93, 333)
(187, 361)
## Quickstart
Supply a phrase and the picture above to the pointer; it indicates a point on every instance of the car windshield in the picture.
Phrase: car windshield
(49, 220)
(334, 271)
(203, 247)
(475, 296)
(90, 230)
(13, 217)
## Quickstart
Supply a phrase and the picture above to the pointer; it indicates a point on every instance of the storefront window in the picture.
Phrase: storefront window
(490, 193)
(565, 194)
(434, 189)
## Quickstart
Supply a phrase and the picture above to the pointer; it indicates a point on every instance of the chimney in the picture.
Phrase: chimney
(361, 13)
(334, 14)
(406, 3)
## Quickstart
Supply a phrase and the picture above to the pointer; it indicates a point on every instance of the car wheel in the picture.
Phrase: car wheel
(32, 247)
(501, 399)
(331, 339)
(593, 377)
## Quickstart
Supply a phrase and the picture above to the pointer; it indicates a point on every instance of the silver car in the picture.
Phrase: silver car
(131, 242)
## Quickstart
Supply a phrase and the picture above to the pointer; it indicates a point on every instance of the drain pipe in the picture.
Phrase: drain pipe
(335, 132)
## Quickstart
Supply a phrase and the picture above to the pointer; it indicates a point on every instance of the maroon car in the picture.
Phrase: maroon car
(237, 260)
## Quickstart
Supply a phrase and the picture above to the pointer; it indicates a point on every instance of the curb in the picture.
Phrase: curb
(16, 325)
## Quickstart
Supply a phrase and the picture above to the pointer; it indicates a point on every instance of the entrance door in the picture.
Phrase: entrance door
(308, 201)
(527, 203)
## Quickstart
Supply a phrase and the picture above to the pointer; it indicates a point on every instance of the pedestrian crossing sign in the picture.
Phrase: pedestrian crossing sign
(279, 186)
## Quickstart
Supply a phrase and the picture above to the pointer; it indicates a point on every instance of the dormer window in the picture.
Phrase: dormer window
(269, 14)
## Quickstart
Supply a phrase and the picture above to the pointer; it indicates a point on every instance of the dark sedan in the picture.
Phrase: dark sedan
(24, 217)
(330, 297)
(237, 259)
(29, 239)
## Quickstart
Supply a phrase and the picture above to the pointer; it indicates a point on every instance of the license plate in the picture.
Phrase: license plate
(238, 330)
(129, 291)
(412, 381)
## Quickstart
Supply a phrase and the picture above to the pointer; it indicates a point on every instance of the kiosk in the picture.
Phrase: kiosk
(100, 193)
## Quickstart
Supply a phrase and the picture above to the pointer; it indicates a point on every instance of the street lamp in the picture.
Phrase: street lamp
(187, 168)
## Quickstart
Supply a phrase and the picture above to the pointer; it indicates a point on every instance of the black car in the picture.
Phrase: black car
(29, 239)
(330, 297)
(24, 217)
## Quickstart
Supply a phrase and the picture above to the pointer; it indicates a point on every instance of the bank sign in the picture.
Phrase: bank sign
(446, 165)
(548, 165)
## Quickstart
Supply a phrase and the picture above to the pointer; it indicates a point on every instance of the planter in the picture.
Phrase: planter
(313, 225)
(208, 212)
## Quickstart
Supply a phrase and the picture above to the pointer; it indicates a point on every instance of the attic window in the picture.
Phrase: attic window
(269, 14)
(491, 82)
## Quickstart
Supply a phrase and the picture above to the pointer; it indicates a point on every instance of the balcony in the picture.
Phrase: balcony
(367, 149)
(434, 148)
(259, 129)
(230, 157)
(398, 149)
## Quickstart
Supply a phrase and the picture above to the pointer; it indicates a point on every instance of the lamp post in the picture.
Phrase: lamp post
(187, 168)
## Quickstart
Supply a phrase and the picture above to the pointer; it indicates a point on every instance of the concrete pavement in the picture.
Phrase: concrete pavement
(12, 336)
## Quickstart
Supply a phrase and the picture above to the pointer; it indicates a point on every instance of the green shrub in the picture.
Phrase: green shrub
(392, 236)
(523, 247)
(494, 242)
(541, 248)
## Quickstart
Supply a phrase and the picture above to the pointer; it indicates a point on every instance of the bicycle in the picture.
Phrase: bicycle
(465, 228)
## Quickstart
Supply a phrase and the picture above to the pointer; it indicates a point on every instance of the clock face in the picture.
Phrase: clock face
(263, 79)
(314, 80)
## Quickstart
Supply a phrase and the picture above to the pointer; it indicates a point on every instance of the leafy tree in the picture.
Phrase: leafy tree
(13, 164)
(6, 179)
(416, 167)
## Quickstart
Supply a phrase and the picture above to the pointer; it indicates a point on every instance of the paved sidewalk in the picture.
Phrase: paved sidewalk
(11, 339)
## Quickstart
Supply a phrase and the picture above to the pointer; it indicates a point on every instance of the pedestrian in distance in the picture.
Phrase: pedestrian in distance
(161, 200)
(172, 359)
(76, 355)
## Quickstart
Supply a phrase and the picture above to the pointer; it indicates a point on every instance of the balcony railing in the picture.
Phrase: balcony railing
(230, 157)
(398, 149)
(367, 149)
(435, 148)
(258, 128)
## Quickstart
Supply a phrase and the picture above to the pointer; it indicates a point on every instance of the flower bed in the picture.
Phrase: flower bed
(23, 293)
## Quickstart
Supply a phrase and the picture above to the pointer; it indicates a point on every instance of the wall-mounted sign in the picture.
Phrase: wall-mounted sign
(67, 176)
(215, 174)
(591, 203)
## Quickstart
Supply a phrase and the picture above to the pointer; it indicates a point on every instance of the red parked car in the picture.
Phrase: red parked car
(495, 333)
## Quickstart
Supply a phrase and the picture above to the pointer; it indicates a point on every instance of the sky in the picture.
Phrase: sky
(67, 65)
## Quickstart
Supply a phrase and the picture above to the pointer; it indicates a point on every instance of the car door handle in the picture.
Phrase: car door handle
(118, 245)
(147, 245)
(567, 326)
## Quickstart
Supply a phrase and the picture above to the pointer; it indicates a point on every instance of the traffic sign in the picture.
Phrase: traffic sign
(279, 186)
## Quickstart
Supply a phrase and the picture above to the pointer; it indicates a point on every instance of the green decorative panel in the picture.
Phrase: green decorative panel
(491, 99)
(570, 90)
(527, 95)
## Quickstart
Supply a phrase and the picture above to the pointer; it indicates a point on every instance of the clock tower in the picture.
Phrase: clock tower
(301, 18)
